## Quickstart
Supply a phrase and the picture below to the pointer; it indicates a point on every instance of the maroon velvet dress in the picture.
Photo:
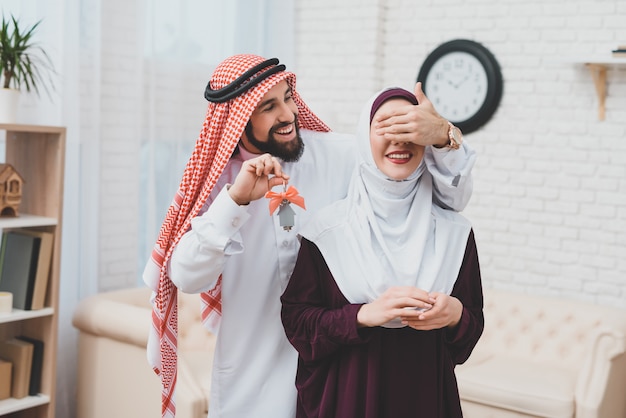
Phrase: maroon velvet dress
(350, 372)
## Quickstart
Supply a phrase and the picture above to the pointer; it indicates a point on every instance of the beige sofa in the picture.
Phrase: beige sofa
(545, 357)
(114, 378)
(538, 357)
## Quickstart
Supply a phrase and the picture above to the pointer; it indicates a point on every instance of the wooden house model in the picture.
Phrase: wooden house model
(10, 190)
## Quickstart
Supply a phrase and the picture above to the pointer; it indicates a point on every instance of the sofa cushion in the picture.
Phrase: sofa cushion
(520, 385)
(199, 364)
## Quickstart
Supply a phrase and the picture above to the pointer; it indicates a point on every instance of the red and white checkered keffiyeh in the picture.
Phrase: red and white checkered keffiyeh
(221, 131)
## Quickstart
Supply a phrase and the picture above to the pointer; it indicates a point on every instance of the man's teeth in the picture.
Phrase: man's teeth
(285, 131)
(398, 156)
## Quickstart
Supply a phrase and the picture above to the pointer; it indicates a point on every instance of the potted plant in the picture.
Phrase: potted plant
(22, 64)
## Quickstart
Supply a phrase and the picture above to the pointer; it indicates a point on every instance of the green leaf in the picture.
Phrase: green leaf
(22, 61)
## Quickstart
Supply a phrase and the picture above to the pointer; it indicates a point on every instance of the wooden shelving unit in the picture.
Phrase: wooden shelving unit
(38, 154)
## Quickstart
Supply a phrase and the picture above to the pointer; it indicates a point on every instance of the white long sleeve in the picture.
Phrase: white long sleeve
(200, 256)
(452, 175)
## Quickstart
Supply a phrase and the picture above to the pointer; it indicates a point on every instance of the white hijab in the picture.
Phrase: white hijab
(388, 233)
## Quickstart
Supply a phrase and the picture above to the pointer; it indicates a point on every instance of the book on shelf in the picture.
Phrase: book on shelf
(34, 387)
(5, 379)
(25, 257)
(18, 264)
(20, 354)
(44, 262)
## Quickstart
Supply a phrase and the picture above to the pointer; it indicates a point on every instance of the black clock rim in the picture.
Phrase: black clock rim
(494, 79)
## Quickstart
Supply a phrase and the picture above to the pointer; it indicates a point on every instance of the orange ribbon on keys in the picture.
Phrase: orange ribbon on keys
(289, 195)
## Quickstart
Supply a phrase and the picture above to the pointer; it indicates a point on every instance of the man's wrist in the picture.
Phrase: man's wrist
(444, 138)
(234, 197)
(454, 137)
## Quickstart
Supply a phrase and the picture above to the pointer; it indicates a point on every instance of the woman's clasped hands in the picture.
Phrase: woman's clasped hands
(414, 307)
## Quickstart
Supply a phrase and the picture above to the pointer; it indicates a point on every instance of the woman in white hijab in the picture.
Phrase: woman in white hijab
(386, 295)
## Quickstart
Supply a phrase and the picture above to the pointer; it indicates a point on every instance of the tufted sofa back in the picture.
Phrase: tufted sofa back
(559, 332)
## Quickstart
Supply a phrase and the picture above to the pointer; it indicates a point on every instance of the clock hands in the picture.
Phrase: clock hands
(458, 84)
(467, 76)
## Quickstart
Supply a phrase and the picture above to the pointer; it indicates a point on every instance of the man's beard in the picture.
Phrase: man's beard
(288, 152)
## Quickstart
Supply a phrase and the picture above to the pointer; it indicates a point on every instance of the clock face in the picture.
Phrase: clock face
(457, 86)
(463, 81)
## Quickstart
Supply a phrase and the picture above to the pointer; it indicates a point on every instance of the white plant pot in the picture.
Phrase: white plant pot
(9, 99)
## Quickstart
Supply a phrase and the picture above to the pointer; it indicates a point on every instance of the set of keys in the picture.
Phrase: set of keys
(282, 201)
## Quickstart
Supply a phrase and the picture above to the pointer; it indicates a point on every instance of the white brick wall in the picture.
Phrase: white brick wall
(337, 48)
(549, 203)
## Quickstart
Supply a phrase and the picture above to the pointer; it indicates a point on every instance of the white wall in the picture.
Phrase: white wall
(549, 203)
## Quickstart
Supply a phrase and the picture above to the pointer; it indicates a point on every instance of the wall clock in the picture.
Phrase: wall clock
(464, 82)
